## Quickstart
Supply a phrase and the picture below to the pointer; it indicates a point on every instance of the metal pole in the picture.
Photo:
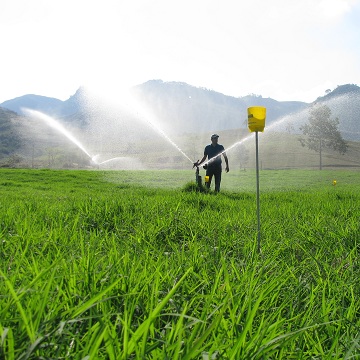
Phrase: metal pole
(257, 190)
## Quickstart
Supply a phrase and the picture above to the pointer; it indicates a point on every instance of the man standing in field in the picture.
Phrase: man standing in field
(213, 167)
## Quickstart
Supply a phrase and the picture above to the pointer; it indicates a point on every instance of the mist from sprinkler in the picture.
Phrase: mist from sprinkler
(130, 104)
(134, 107)
(53, 123)
(57, 126)
(273, 126)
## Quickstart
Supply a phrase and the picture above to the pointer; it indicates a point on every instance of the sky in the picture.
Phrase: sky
(283, 49)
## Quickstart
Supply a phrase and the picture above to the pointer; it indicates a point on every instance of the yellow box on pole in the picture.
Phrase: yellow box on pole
(256, 118)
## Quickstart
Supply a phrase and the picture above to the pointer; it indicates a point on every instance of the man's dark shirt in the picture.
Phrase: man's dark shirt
(212, 152)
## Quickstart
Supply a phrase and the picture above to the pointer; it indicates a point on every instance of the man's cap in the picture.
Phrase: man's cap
(214, 136)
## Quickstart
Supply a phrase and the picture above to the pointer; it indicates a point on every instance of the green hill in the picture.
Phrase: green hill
(9, 138)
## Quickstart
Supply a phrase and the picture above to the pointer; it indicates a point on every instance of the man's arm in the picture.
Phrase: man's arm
(198, 163)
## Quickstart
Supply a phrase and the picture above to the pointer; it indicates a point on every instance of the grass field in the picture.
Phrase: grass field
(128, 265)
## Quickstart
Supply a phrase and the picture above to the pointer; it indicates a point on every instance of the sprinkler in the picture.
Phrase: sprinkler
(197, 175)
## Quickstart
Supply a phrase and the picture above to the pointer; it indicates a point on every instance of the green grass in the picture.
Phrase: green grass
(127, 265)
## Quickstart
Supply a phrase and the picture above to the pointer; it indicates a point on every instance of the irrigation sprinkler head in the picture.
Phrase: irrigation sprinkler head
(198, 178)
(196, 164)
(94, 159)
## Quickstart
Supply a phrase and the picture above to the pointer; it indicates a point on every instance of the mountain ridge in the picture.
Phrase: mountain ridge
(55, 106)
(182, 108)
(187, 114)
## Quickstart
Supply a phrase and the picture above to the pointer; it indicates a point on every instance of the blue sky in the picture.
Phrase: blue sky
(284, 49)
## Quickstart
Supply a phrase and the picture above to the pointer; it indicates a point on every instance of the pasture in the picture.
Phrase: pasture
(129, 265)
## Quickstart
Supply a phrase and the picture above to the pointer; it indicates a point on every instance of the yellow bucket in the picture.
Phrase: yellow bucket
(256, 118)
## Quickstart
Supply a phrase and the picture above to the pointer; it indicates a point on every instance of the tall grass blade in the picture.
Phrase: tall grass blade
(143, 329)
(26, 320)
(7, 347)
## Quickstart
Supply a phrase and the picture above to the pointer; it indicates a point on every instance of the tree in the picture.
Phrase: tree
(322, 132)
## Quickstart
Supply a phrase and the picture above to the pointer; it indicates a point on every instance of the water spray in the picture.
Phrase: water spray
(50, 121)
(136, 108)
(256, 123)
(161, 132)
(57, 126)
